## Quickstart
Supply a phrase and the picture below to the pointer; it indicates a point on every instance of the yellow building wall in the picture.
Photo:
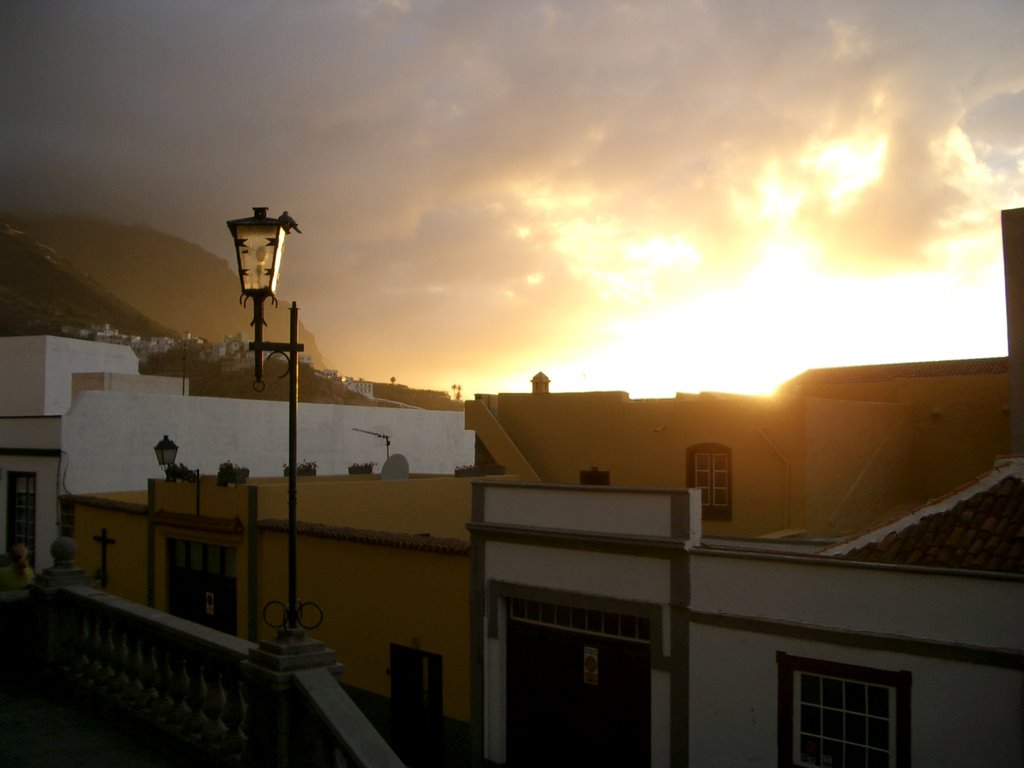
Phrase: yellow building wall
(217, 506)
(126, 558)
(961, 424)
(643, 443)
(823, 460)
(857, 457)
(373, 596)
(436, 505)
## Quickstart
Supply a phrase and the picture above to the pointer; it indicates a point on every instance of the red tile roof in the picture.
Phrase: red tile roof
(863, 374)
(984, 531)
(422, 542)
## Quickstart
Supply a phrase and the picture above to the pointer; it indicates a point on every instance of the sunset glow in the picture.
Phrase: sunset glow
(653, 198)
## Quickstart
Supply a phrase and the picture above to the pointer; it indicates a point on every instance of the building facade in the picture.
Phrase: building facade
(607, 625)
(834, 450)
(382, 573)
(76, 417)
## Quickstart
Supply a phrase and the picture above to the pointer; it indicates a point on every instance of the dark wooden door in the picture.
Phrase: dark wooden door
(417, 707)
(202, 585)
(576, 699)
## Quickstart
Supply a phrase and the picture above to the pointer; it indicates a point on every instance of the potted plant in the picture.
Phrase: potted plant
(303, 469)
(177, 473)
(229, 472)
(361, 468)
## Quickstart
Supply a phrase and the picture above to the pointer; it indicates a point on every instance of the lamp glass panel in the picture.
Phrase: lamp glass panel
(259, 256)
(166, 452)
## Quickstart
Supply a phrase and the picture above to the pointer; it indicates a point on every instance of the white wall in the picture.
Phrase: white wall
(632, 512)
(617, 513)
(109, 437)
(128, 382)
(961, 713)
(984, 612)
(38, 369)
(621, 577)
(22, 387)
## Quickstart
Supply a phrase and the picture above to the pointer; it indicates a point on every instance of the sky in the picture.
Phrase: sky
(653, 197)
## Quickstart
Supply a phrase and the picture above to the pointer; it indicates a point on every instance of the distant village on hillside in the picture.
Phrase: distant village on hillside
(233, 355)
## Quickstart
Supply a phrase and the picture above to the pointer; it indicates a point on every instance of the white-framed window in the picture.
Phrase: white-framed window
(709, 468)
(834, 715)
(21, 511)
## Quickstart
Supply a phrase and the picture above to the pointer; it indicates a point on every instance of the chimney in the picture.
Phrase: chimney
(540, 383)
(1013, 275)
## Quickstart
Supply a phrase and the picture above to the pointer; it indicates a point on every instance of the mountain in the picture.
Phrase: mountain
(177, 283)
(64, 271)
(41, 292)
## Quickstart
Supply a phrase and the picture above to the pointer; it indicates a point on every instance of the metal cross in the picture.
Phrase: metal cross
(103, 539)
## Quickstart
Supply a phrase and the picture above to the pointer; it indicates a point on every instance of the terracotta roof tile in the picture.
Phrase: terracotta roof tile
(980, 532)
(424, 543)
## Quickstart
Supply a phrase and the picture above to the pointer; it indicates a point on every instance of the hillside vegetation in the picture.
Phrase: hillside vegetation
(62, 274)
(134, 264)
(42, 292)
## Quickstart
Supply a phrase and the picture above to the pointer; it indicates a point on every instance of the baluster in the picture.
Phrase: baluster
(163, 704)
(233, 741)
(177, 717)
(118, 659)
(66, 631)
(79, 667)
(147, 673)
(93, 674)
(133, 692)
(101, 663)
(196, 695)
(213, 707)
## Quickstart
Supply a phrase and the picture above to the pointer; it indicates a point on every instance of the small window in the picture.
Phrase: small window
(842, 715)
(709, 468)
(595, 476)
(21, 511)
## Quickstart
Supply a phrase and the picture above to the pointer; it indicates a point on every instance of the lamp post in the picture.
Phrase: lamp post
(259, 243)
(166, 453)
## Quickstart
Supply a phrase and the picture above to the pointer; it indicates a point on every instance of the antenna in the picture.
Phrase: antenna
(385, 438)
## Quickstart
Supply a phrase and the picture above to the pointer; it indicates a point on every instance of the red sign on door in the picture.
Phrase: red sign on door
(589, 665)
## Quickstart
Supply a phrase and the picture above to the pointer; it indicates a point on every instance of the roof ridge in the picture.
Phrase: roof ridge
(1005, 467)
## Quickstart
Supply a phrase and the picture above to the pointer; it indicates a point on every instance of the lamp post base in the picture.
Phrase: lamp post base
(292, 650)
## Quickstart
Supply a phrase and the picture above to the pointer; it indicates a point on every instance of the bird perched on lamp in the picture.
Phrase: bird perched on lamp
(289, 223)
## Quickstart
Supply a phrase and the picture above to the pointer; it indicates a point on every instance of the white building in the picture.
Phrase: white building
(76, 417)
(579, 595)
(609, 633)
(364, 388)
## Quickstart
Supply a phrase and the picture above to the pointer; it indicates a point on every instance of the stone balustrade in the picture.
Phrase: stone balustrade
(217, 699)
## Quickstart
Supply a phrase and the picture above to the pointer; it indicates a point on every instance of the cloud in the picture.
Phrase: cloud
(652, 152)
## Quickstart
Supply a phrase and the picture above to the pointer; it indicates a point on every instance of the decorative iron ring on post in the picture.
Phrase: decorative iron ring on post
(283, 622)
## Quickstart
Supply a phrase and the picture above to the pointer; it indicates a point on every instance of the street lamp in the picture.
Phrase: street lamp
(166, 453)
(259, 243)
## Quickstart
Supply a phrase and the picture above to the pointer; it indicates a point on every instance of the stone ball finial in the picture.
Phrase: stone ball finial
(63, 552)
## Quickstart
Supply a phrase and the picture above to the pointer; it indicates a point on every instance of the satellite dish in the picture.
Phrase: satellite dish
(395, 468)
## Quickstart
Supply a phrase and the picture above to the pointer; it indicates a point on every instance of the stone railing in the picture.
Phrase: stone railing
(214, 698)
(150, 669)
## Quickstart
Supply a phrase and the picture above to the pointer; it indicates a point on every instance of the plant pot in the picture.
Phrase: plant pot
(367, 470)
(237, 477)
